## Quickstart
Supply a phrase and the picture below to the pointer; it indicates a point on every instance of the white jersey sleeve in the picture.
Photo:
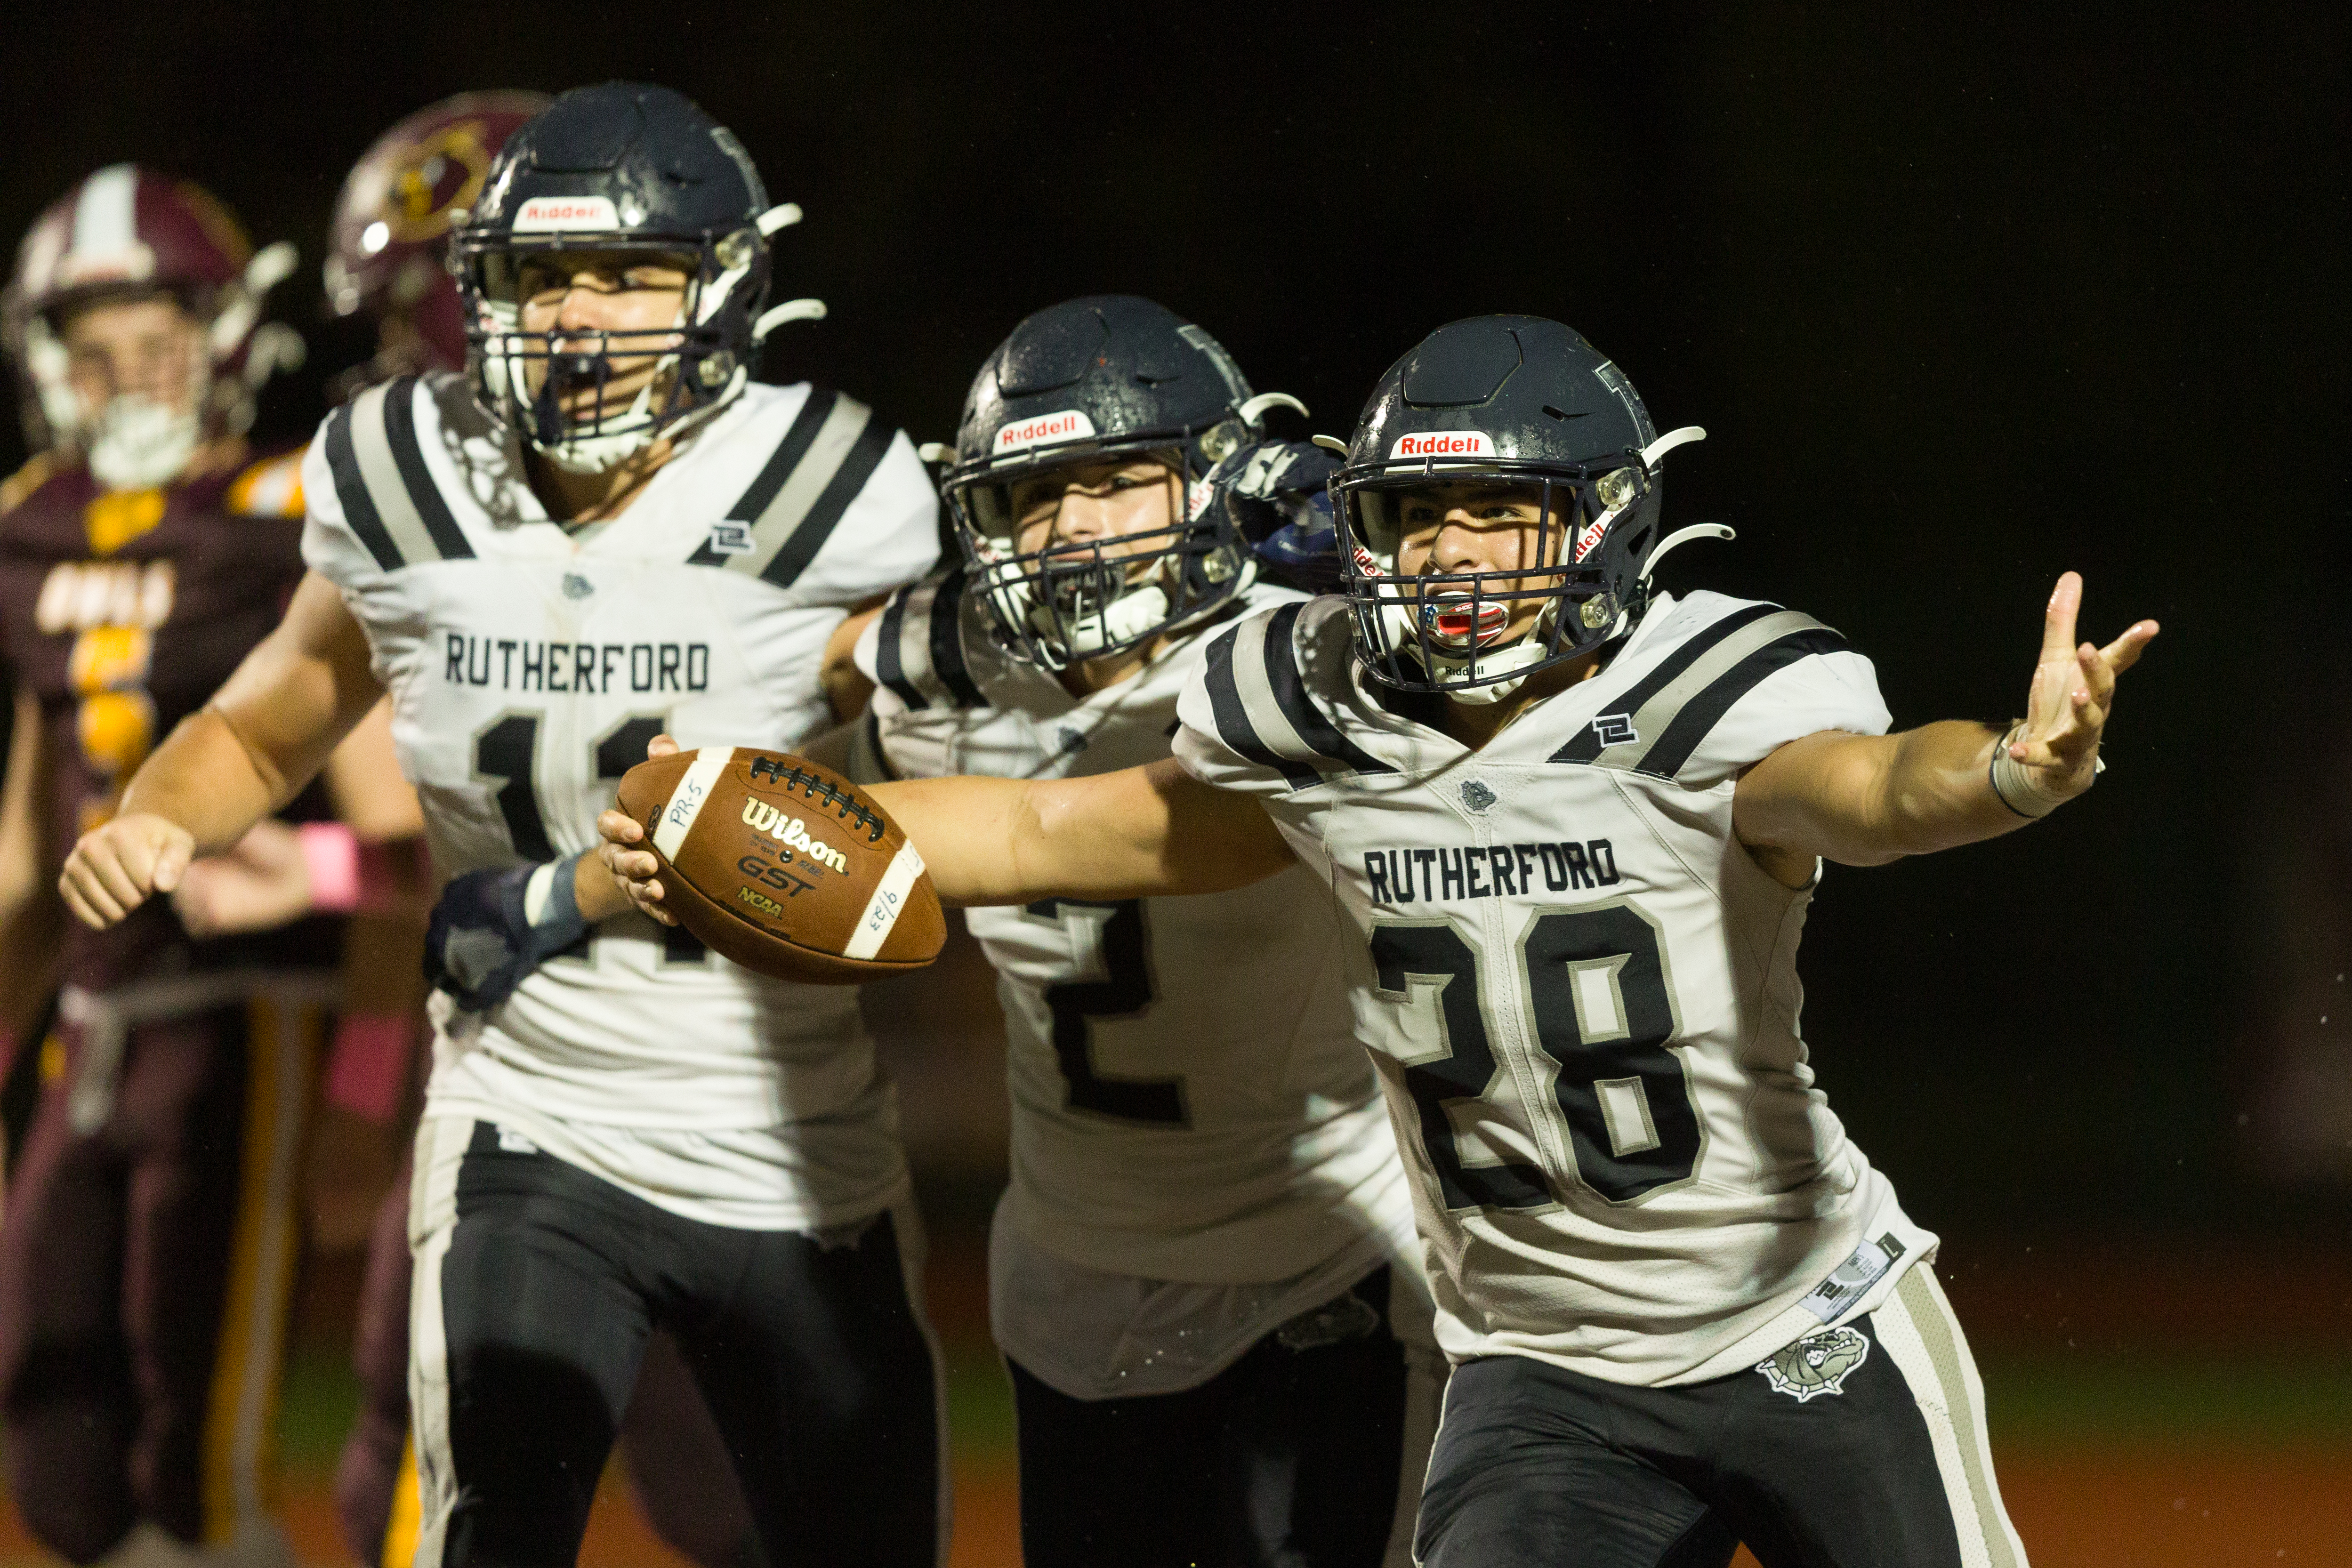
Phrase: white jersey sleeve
(1248, 722)
(1788, 677)
(888, 533)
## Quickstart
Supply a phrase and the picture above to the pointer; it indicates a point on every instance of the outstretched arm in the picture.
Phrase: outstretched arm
(1868, 799)
(243, 755)
(1142, 832)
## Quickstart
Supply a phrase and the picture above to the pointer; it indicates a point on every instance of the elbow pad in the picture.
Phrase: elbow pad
(492, 928)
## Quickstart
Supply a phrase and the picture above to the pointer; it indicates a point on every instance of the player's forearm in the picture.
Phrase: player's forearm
(1870, 800)
(994, 841)
(207, 780)
(1937, 793)
(1142, 832)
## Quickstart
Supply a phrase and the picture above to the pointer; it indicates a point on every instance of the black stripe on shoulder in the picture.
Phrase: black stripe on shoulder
(400, 433)
(1282, 678)
(888, 667)
(948, 661)
(1233, 727)
(1586, 744)
(865, 456)
(798, 437)
(350, 489)
(1703, 712)
(874, 745)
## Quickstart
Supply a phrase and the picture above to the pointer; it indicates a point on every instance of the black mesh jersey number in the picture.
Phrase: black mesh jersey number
(1436, 956)
(1602, 1009)
(1604, 1013)
(1123, 992)
(507, 754)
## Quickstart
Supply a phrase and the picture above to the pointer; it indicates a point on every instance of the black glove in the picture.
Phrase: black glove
(1275, 494)
(481, 942)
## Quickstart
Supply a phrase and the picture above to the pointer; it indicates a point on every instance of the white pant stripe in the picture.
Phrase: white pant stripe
(1916, 1328)
(432, 1220)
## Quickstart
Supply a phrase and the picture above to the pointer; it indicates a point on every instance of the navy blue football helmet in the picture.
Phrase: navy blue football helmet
(1524, 401)
(1104, 376)
(620, 167)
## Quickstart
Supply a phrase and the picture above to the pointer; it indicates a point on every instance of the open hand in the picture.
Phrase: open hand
(119, 864)
(2072, 692)
(624, 854)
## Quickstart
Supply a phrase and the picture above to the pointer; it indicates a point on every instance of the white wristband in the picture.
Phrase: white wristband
(2021, 788)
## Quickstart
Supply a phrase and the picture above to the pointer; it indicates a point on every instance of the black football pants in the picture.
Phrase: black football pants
(1291, 1457)
(537, 1286)
(1867, 1451)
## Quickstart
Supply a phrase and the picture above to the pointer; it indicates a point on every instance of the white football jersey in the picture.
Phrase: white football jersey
(1188, 1100)
(1581, 988)
(529, 665)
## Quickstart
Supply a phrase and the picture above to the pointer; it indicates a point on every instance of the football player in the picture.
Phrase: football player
(1203, 1276)
(603, 530)
(147, 1255)
(1574, 824)
(389, 262)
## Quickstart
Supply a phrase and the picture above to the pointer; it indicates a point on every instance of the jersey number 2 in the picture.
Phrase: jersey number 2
(1597, 988)
(1124, 990)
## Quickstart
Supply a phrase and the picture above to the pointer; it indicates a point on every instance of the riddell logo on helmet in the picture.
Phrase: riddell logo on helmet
(543, 212)
(1444, 444)
(1070, 425)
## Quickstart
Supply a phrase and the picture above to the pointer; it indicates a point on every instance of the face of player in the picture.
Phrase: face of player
(148, 349)
(580, 295)
(1480, 525)
(1103, 503)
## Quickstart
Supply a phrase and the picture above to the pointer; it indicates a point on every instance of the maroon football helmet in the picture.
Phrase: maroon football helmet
(127, 232)
(394, 213)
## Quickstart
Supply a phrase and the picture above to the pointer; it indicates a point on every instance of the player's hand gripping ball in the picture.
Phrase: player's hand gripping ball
(784, 866)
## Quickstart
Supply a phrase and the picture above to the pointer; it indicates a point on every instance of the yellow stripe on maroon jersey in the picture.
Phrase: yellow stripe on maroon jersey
(407, 1520)
(241, 1416)
(270, 488)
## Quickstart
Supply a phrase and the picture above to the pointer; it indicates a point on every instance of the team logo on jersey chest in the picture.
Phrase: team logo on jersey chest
(1816, 1365)
(1615, 729)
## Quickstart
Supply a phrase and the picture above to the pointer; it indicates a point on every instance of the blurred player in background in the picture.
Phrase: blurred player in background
(602, 531)
(1203, 1276)
(149, 1242)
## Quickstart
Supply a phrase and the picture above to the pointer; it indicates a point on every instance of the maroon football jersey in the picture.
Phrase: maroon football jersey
(123, 611)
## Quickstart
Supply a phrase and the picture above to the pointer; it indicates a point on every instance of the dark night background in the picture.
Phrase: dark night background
(1962, 303)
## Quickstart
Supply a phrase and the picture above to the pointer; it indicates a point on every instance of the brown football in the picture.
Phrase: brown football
(785, 866)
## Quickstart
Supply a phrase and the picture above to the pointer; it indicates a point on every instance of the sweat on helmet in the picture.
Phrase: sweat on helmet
(640, 180)
(1118, 400)
(1518, 420)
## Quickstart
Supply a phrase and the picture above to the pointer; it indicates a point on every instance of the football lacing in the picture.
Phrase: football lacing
(845, 805)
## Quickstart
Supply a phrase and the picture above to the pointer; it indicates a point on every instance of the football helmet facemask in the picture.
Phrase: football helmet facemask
(630, 169)
(1103, 377)
(126, 233)
(1521, 402)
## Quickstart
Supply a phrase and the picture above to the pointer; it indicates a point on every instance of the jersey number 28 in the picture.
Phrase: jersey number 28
(1601, 1009)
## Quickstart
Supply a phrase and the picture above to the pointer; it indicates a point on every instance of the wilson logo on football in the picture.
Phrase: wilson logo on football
(1070, 425)
(763, 817)
(545, 213)
(1444, 444)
